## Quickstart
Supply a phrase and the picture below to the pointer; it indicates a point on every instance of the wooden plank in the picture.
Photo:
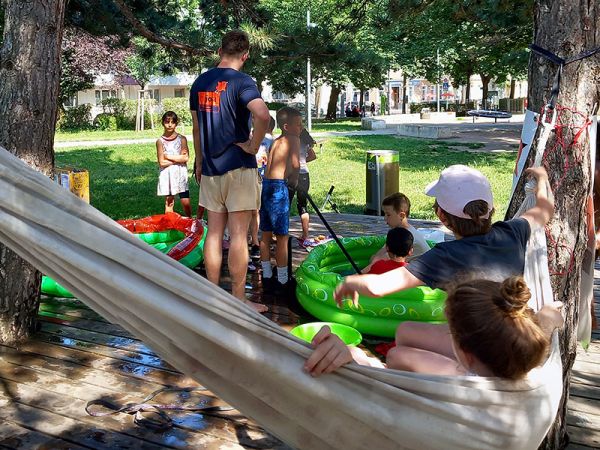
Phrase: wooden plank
(14, 436)
(67, 428)
(69, 311)
(584, 436)
(582, 419)
(95, 337)
(106, 363)
(100, 327)
(56, 399)
(585, 405)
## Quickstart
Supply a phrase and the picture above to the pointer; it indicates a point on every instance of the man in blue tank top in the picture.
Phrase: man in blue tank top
(223, 101)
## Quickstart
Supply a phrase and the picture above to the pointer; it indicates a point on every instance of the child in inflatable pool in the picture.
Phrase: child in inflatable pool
(399, 246)
(492, 331)
(172, 154)
(464, 204)
(396, 211)
(282, 168)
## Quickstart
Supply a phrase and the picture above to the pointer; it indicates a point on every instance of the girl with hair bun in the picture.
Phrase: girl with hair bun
(493, 332)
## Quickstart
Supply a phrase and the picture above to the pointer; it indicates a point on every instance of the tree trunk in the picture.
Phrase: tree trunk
(513, 83)
(361, 100)
(468, 88)
(567, 235)
(30, 72)
(485, 80)
(318, 100)
(332, 105)
(404, 81)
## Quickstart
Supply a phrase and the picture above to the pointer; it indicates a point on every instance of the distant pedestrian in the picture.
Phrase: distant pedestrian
(372, 108)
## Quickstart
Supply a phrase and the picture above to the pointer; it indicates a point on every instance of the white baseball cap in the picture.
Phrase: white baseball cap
(459, 185)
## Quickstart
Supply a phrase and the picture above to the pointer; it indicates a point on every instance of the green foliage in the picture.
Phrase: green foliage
(77, 118)
(105, 122)
(180, 106)
(274, 106)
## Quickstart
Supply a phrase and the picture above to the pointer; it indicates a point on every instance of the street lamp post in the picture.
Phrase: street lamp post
(308, 80)
(437, 83)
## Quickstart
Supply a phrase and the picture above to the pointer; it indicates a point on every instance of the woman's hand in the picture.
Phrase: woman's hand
(330, 353)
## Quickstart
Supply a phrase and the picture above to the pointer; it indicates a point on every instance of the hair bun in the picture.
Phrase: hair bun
(515, 294)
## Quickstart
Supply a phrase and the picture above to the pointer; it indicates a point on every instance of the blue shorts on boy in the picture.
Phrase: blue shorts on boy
(275, 207)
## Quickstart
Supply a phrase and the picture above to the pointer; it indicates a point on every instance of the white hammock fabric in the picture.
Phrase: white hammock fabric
(250, 361)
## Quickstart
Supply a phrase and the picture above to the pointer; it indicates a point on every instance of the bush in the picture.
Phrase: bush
(124, 111)
(459, 108)
(275, 106)
(76, 118)
(180, 106)
(105, 122)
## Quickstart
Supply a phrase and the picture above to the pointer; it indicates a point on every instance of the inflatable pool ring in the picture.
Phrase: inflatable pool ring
(321, 271)
(181, 238)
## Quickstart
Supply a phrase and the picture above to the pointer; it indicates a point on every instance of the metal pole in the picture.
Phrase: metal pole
(388, 107)
(437, 84)
(333, 235)
(308, 81)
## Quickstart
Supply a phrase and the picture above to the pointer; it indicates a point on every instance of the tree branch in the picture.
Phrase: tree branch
(153, 37)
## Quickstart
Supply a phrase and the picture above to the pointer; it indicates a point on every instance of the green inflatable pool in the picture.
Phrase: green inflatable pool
(163, 241)
(319, 274)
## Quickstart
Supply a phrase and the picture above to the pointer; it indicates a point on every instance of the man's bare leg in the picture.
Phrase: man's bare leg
(238, 256)
(213, 251)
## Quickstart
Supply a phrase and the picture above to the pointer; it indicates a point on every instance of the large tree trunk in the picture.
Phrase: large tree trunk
(485, 81)
(332, 104)
(30, 72)
(513, 83)
(468, 88)
(567, 235)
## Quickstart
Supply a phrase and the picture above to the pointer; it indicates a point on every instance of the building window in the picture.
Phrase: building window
(179, 93)
(103, 94)
(280, 96)
(424, 89)
(366, 96)
(70, 102)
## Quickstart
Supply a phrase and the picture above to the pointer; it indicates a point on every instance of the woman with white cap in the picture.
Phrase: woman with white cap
(464, 204)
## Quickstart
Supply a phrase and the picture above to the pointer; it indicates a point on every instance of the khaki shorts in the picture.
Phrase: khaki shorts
(237, 190)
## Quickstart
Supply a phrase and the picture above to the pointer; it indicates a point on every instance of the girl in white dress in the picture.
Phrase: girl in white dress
(172, 154)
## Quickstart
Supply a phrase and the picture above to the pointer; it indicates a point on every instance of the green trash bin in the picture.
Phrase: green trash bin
(383, 176)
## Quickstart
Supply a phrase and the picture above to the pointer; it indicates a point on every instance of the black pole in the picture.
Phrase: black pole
(333, 235)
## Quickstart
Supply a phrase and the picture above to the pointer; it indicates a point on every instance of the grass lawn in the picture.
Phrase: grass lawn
(123, 178)
(349, 124)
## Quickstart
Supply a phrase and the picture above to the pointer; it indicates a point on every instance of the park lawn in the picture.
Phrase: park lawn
(123, 178)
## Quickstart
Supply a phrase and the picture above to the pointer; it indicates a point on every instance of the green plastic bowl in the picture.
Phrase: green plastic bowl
(307, 332)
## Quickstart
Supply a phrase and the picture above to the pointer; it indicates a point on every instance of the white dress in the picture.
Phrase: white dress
(173, 179)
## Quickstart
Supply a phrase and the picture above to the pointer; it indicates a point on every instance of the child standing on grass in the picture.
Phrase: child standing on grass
(172, 154)
(399, 246)
(282, 169)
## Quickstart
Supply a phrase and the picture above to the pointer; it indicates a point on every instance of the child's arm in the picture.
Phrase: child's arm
(294, 161)
(543, 210)
(160, 155)
(310, 154)
(375, 285)
(184, 156)
(331, 353)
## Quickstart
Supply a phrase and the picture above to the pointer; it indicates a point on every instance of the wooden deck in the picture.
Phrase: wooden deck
(77, 356)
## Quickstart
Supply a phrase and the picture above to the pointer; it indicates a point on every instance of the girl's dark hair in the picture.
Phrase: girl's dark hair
(170, 115)
(491, 321)
(477, 224)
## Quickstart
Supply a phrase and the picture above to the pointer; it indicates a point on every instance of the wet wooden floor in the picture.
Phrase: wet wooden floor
(77, 357)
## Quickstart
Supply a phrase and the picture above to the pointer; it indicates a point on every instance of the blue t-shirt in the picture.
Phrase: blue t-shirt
(220, 98)
(496, 255)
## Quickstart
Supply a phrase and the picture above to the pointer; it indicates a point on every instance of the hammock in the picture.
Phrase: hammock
(250, 361)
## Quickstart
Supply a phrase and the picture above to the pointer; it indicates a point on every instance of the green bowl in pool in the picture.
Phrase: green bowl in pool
(347, 334)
